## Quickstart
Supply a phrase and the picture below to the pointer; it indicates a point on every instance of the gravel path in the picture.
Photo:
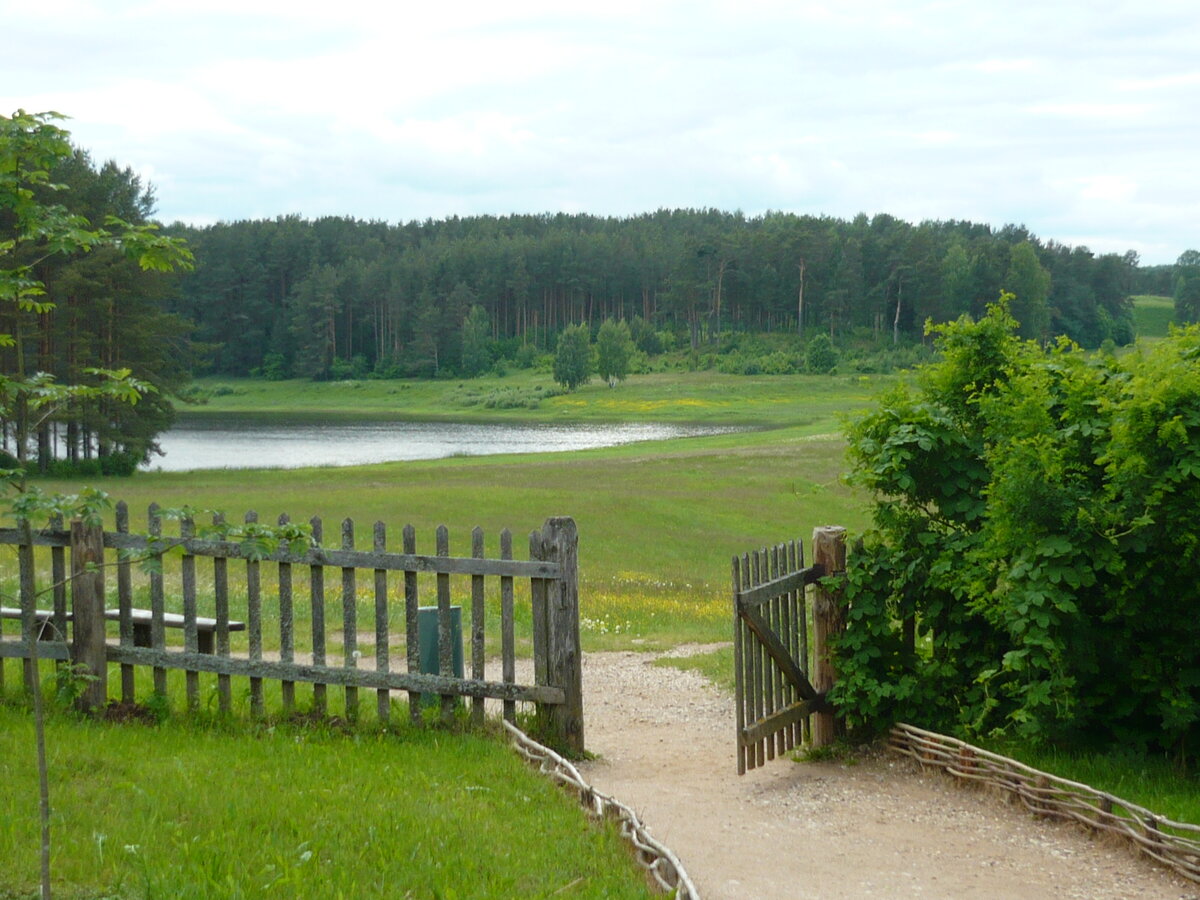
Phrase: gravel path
(880, 828)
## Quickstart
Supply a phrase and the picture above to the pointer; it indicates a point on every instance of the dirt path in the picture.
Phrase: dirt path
(880, 828)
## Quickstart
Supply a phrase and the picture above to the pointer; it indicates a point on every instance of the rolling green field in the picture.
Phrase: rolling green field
(658, 521)
(810, 402)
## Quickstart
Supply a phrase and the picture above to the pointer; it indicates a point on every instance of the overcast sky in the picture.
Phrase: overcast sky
(1080, 120)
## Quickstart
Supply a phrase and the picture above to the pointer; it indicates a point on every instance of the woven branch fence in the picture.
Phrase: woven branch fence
(1174, 844)
(662, 865)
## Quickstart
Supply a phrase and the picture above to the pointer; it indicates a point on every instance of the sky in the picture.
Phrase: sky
(1079, 120)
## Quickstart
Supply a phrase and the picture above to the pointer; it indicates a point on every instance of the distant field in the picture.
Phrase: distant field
(804, 401)
(1152, 315)
(658, 521)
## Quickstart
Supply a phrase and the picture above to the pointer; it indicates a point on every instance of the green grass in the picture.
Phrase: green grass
(658, 523)
(175, 811)
(804, 401)
(1151, 781)
(1152, 315)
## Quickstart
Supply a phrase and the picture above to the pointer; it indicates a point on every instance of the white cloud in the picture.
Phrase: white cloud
(1070, 118)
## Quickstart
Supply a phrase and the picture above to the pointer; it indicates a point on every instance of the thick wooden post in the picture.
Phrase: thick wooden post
(829, 552)
(87, 611)
(560, 544)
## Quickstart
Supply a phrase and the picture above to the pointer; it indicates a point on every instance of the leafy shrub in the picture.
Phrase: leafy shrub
(122, 463)
(193, 394)
(1034, 544)
(779, 363)
(525, 357)
(274, 367)
(820, 357)
(507, 397)
(348, 369)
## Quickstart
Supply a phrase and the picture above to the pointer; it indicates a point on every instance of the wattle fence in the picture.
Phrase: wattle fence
(92, 628)
(1174, 844)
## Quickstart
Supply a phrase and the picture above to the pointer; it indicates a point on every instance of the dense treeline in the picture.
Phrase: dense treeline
(333, 296)
(100, 310)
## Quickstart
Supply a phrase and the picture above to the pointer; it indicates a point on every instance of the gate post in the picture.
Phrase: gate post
(88, 648)
(560, 544)
(829, 552)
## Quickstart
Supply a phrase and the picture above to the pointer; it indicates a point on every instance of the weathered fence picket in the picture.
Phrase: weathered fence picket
(411, 626)
(382, 654)
(158, 634)
(221, 607)
(317, 596)
(144, 638)
(287, 641)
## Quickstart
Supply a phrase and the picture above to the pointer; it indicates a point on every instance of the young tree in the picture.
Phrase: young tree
(33, 231)
(614, 349)
(573, 357)
(1029, 281)
(476, 334)
(820, 357)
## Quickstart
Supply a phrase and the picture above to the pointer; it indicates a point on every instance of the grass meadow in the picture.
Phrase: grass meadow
(241, 809)
(810, 402)
(188, 810)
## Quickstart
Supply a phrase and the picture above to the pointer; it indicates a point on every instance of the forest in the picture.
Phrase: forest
(338, 297)
(291, 297)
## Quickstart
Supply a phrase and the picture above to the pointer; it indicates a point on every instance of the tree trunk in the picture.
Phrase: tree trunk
(896, 320)
(800, 302)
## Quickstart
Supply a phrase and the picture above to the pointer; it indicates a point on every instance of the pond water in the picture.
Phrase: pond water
(234, 442)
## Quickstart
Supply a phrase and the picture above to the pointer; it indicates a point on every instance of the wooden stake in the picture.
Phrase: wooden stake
(829, 552)
(87, 610)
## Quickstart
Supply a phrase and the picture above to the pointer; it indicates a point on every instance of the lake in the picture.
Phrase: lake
(234, 442)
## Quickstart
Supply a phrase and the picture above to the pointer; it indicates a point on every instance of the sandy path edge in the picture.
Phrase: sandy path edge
(880, 828)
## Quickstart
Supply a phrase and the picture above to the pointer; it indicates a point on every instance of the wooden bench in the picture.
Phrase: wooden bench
(142, 619)
(206, 628)
(40, 617)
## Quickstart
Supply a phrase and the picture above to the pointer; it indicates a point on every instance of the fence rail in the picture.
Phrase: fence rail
(79, 632)
(1173, 844)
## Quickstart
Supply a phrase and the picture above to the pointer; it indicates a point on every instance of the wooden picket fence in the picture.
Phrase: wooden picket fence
(75, 628)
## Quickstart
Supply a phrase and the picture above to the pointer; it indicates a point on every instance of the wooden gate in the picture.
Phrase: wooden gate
(771, 648)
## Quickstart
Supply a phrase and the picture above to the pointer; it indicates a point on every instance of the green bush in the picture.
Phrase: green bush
(525, 356)
(1035, 525)
(274, 367)
(820, 357)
